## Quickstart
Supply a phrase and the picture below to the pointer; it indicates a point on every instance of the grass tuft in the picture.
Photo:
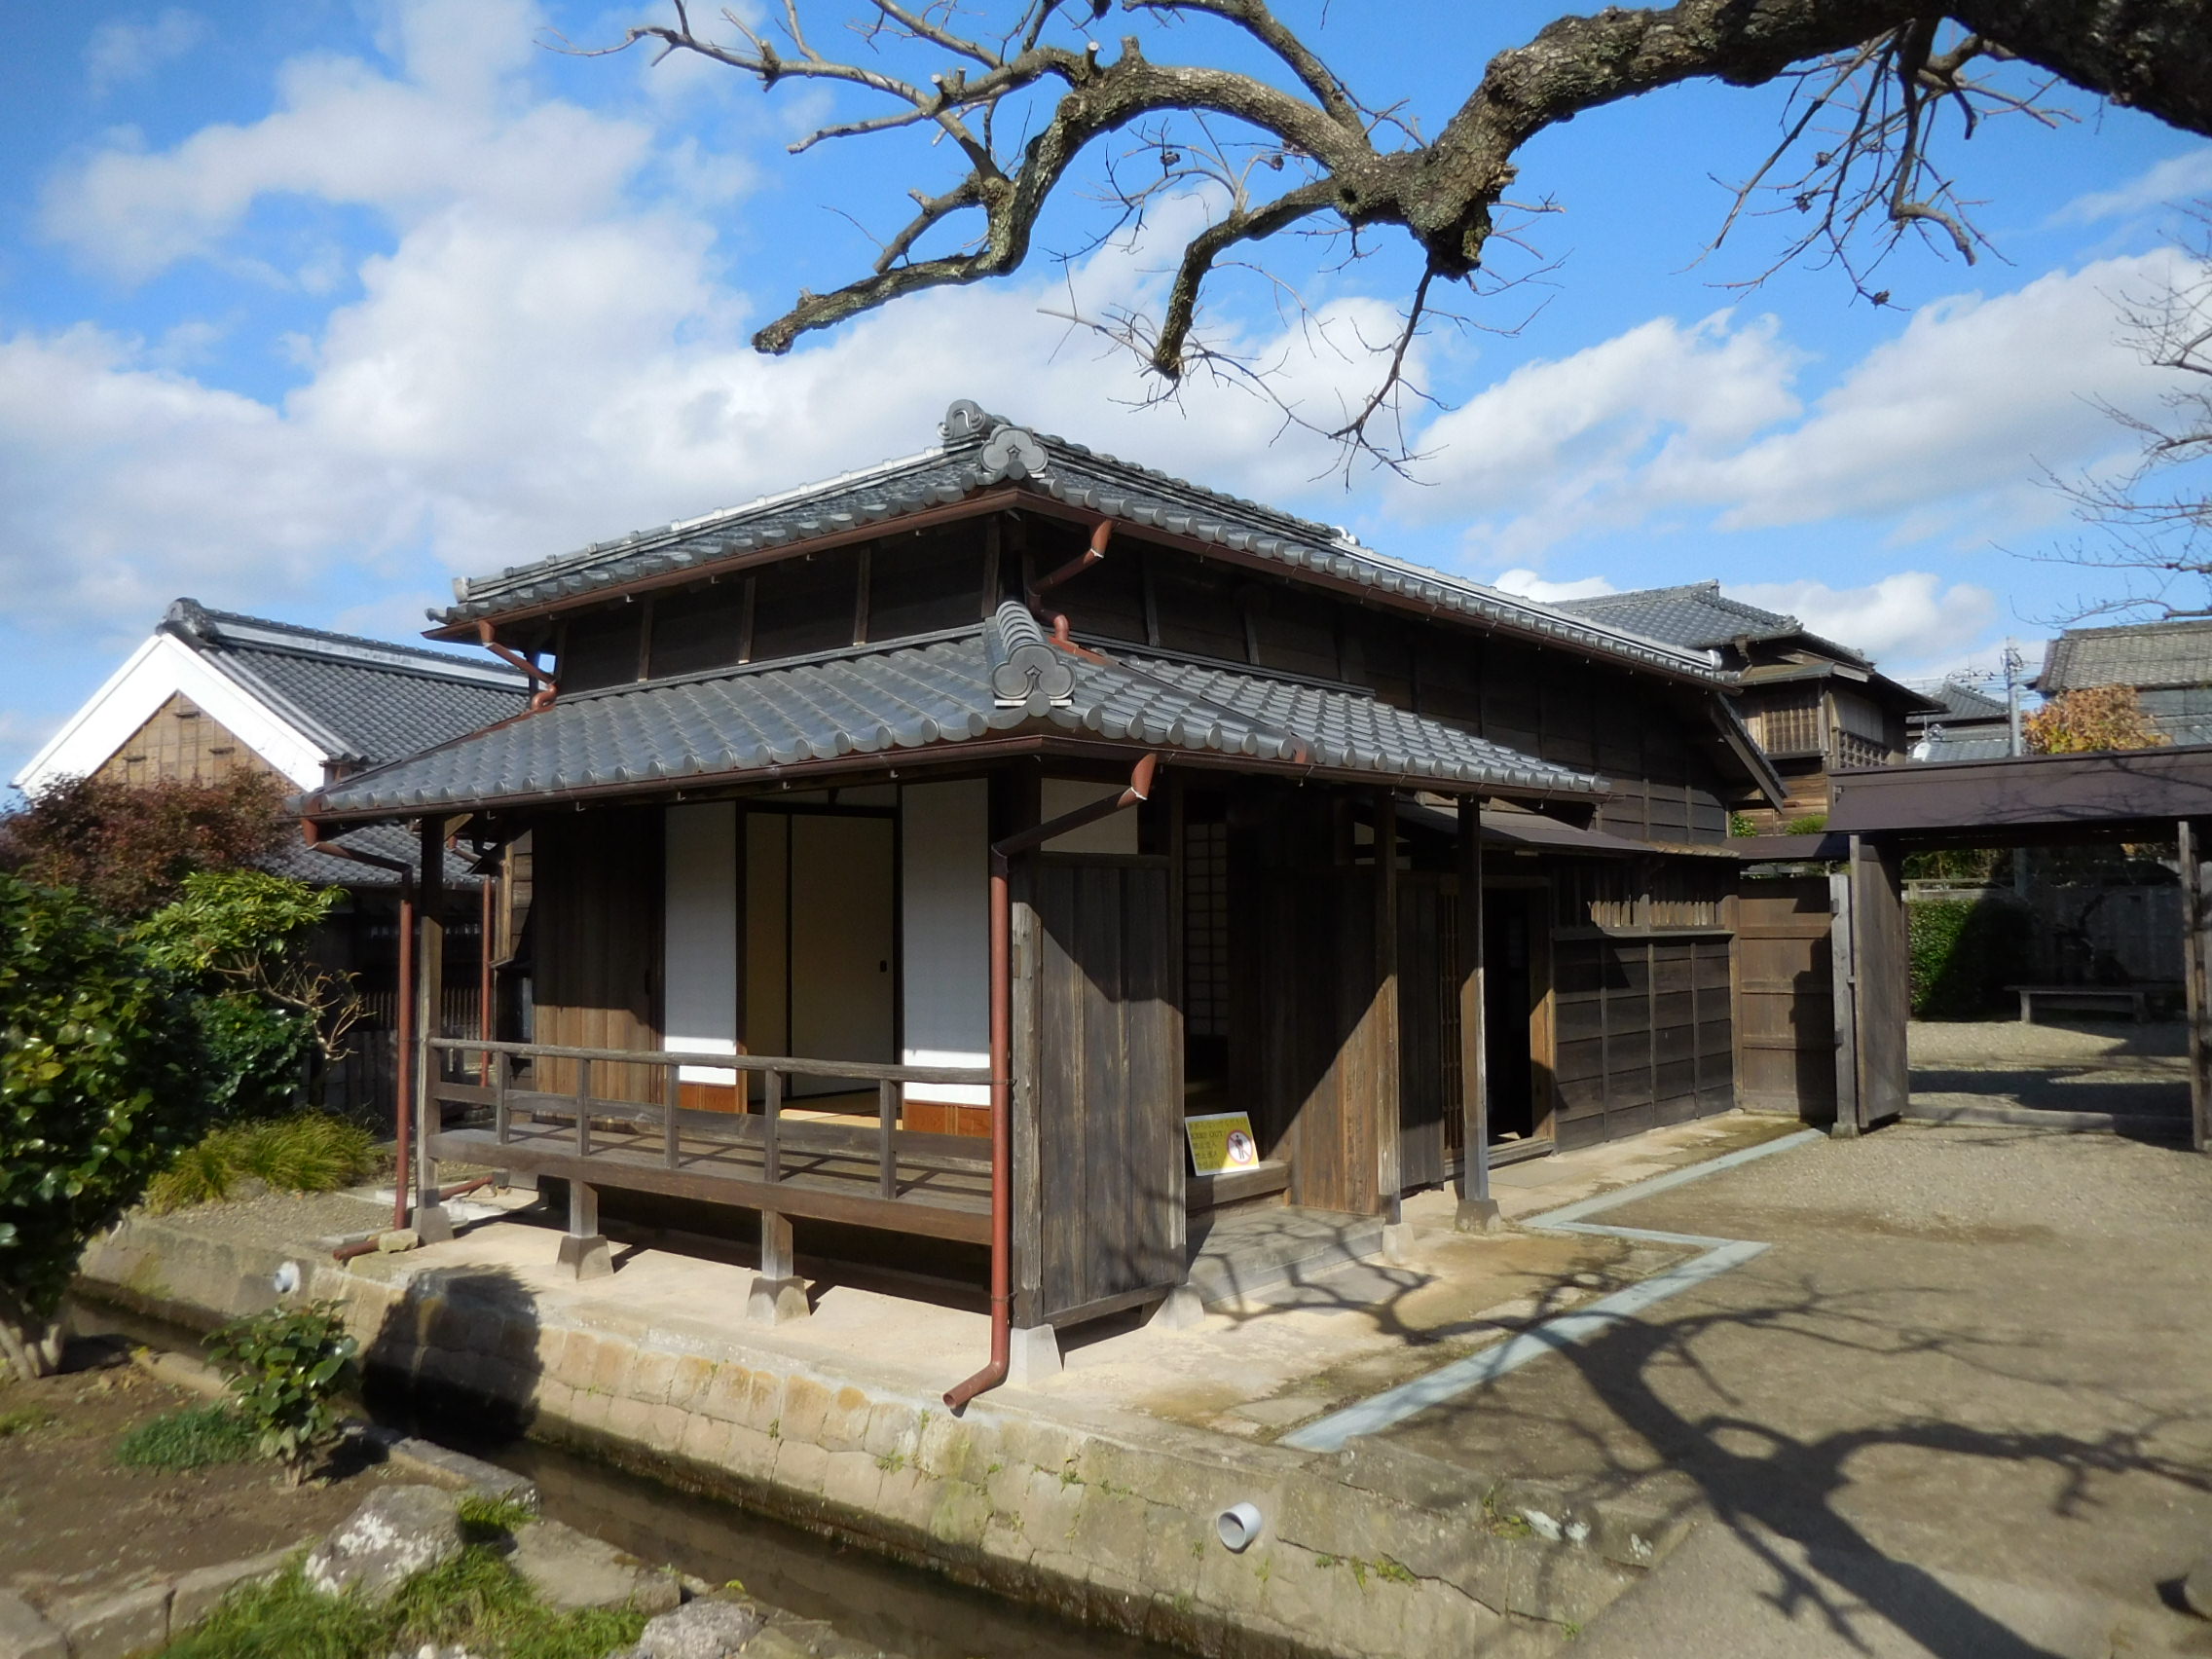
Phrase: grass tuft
(493, 1520)
(23, 1419)
(308, 1152)
(476, 1599)
(198, 1437)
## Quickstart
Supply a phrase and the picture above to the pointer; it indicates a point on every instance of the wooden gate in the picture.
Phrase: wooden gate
(1098, 1153)
(1872, 974)
(1785, 1031)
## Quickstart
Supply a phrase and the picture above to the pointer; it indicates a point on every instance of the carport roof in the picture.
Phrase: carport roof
(744, 725)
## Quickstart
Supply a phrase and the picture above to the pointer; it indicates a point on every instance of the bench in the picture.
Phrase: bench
(2135, 999)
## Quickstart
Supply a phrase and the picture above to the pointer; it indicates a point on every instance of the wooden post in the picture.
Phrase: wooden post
(777, 1294)
(1845, 997)
(1389, 1110)
(886, 1147)
(583, 1250)
(2195, 920)
(432, 1223)
(1478, 1210)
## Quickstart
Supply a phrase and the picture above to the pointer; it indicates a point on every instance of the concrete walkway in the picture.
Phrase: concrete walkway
(1958, 1407)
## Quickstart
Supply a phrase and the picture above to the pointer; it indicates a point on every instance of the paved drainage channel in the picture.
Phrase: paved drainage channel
(865, 1597)
(1715, 1256)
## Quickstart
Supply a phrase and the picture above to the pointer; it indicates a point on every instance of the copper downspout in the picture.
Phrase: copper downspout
(484, 977)
(1003, 854)
(548, 687)
(403, 1086)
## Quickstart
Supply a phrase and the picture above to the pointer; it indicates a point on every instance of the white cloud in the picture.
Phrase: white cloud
(544, 355)
(124, 50)
(2162, 184)
(1529, 586)
(1943, 430)
(1905, 621)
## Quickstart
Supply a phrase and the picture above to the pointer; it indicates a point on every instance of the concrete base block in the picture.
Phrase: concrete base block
(776, 1301)
(431, 1224)
(1033, 1355)
(1179, 1312)
(589, 1258)
(1841, 1130)
(1478, 1215)
(23, 1634)
(1397, 1242)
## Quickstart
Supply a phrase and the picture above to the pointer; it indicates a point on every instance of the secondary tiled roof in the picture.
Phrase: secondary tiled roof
(1698, 617)
(1959, 703)
(864, 701)
(981, 450)
(294, 858)
(360, 700)
(2143, 655)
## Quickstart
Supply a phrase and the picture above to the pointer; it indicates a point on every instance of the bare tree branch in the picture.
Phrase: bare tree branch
(1868, 80)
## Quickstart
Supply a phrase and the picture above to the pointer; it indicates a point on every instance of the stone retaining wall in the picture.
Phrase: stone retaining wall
(1375, 1552)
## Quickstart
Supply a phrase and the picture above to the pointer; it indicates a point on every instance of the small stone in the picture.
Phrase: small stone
(395, 1535)
(698, 1629)
(2197, 1588)
(571, 1571)
(114, 1625)
(397, 1239)
(24, 1635)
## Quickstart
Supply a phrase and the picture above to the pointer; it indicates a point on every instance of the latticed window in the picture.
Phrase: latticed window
(1206, 929)
(1851, 750)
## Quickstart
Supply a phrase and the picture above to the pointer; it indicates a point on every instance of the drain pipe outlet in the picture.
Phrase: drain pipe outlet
(1239, 1527)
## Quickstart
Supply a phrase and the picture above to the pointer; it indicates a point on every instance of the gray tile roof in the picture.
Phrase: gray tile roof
(981, 451)
(1699, 616)
(302, 862)
(1977, 745)
(361, 700)
(2143, 655)
(877, 701)
(1959, 703)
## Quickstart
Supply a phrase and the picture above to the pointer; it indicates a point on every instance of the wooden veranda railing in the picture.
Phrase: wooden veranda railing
(877, 1174)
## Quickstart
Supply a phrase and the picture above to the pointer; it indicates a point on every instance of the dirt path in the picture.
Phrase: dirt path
(73, 1520)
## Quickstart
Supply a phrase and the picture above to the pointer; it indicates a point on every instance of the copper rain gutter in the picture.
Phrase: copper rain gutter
(1003, 854)
(404, 1084)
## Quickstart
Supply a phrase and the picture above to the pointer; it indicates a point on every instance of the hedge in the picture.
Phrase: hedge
(1965, 952)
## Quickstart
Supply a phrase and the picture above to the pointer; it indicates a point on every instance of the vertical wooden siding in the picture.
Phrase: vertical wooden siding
(1785, 989)
(1106, 1036)
(598, 945)
(1644, 1033)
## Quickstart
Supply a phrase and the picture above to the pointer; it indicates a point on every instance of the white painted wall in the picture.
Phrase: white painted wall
(1117, 833)
(153, 674)
(947, 966)
(701, 934)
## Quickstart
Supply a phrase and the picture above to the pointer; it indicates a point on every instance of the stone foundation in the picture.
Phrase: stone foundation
(1372, 1552)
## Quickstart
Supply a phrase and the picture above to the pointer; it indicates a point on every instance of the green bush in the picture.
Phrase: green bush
(308, 1152)
(1963, 953)
(288, 1368)
(97, 1093)
(195, 1438)
(475, 1600)
(1811, 823)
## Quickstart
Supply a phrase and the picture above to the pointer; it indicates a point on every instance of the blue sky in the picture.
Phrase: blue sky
(307, 307)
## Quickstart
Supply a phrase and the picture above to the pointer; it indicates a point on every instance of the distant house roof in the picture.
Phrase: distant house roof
(2147, 655)
(981, 451)
(1959, 705)
(367, 701)
(1699, 616)
(729, 724)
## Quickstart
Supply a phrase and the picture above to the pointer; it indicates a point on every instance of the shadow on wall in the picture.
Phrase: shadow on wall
(457, 1357)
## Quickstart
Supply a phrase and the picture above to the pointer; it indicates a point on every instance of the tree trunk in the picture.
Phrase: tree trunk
(29, 1347)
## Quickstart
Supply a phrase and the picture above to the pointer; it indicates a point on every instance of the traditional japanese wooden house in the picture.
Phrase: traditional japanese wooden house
(916, 851)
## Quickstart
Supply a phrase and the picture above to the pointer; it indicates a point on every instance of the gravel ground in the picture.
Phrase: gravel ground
(1969, 1373)
(2109, 1043)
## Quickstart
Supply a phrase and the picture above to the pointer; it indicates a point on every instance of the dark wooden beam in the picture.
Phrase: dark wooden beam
(2196, 973)
(1478, 1210)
